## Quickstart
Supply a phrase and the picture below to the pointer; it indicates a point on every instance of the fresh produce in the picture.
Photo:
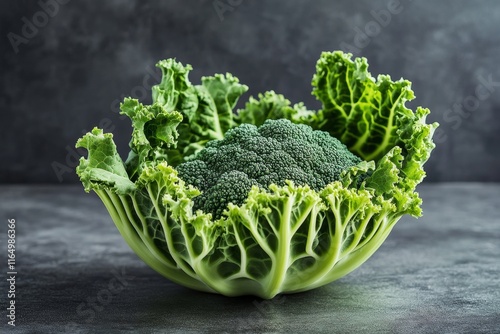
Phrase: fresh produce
(273, 198)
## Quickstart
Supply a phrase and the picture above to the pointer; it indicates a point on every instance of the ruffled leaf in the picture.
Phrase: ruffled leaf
(154, 132)
(103, 168)
(273, 106)
(207, 109)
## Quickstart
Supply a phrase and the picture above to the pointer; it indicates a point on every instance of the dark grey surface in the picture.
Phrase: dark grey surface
(72, 73)
(438, 274)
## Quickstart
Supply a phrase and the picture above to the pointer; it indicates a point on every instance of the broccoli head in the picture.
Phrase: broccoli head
(279, 150)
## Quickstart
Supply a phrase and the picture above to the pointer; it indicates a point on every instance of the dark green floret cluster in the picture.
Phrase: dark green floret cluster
(279, 150)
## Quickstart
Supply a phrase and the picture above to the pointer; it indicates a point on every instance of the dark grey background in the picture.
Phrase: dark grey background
(71, 74)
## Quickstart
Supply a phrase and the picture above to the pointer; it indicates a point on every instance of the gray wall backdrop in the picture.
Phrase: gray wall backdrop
(69, 72)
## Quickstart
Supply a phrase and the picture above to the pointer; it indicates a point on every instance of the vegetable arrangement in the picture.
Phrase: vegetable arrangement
(273, 198)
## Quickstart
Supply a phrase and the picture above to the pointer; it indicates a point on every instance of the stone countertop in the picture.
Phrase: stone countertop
(75, 274)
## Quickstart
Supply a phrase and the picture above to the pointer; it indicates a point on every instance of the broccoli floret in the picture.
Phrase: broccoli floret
(279, 150)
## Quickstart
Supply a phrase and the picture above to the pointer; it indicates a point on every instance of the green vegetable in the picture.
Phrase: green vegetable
(276, 152)
(206, 109)
(239, 204)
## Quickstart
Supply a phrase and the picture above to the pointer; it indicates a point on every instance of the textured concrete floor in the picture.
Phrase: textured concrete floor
(437, 274)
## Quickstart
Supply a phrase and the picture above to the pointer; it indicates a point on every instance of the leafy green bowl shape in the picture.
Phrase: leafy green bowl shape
(284, 239)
